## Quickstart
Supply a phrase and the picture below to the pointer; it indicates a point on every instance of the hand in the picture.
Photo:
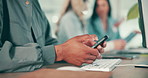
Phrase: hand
(119, 44)
(78, 50)
(137, 32)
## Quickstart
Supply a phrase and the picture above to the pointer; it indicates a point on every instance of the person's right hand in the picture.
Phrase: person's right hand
(119, 44)
(78, 50)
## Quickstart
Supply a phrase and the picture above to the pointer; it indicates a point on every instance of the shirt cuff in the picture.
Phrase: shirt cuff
(110, 46)
(49, 54)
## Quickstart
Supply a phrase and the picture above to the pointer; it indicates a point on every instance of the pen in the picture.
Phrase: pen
(135, 65)
(141, 66)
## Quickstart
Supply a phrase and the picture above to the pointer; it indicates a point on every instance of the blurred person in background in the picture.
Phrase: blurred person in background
(71, 22)
(101, 22)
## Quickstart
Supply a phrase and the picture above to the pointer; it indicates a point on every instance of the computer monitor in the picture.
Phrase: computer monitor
(143, 20)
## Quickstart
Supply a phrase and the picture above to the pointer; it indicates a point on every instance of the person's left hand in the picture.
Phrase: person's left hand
(137, 32)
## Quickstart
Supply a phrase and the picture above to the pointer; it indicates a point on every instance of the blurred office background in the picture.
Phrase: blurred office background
(120, 8)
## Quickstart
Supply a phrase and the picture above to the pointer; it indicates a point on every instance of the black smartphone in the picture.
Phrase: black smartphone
(99, 42)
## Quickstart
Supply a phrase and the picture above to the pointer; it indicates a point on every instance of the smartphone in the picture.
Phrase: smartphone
(99, 42)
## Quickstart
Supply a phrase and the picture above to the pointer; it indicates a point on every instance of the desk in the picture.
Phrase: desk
(119, 72)
(131, 72)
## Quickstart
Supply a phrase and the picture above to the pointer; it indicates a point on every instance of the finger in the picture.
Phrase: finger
(123, 41)
(99, 56)
(100, 49)
(89, 61)
(90, 57)
(89, 42)
(93, 52)
(89, 50)
(121, 47)
(94, 37)
(87, 39)
(77, 63)
(87, 36)
(104, 44)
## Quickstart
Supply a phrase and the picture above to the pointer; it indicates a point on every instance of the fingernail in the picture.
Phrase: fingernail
(97, 57)
(99, 47)
(96, 38)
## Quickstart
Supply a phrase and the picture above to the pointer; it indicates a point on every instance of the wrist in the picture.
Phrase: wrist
(59, 54)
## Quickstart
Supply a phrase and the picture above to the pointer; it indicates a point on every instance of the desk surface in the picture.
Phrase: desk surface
(119, 72)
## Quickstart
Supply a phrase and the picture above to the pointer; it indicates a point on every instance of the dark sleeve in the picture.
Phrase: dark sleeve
(49, 40)
(28, 57)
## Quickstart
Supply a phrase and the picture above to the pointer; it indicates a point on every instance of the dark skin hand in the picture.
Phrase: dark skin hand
(78, 50)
